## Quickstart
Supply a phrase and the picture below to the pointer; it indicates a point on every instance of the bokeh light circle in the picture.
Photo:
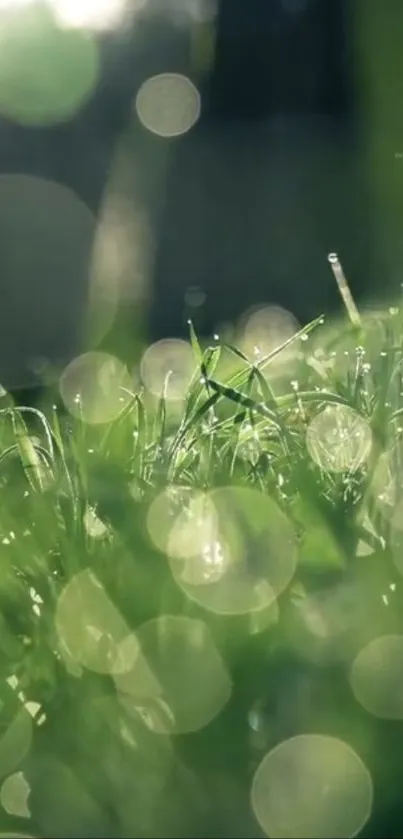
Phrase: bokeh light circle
(91, 629)
(312, 786)
(14, 795)
(264, 330)
(338, 439)
(94, 387)
(46, 235)
(164, 511)
(167, 368)
(376, 677)
(168, 104)
(46, 73)
(122, 254)
(232, 550)
(179, 681)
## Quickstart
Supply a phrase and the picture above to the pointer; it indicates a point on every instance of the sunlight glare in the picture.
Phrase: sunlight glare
(91, 14)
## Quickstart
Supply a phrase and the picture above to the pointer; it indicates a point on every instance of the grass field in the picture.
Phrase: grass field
(201, 598)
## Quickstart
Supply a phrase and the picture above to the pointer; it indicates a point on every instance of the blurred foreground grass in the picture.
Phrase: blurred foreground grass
(191, 586)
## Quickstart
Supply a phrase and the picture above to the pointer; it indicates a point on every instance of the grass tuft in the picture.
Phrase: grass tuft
(76, 498)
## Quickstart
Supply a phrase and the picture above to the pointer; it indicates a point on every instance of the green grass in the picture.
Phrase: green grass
(75, 496)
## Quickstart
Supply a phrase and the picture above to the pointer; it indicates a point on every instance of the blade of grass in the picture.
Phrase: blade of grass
(37, 474)
(197, 350)
(344, 289)
(198, 383)
(239, 378)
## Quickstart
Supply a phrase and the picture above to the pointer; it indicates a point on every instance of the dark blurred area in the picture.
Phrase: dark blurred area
(293, 156)
(275, 175)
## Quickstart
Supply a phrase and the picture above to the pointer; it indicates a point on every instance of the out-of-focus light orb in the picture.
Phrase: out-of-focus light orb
(164, 510)
(190, 683)
(46, 73)
(183, 523)
(92, 14)
(232, 551)
(46, 236)
(167, 367)
(168, 104)
(14, 795)
(94, 387)
(194, 534)
(122, 252)
(376, 677)
(312, 786)
(91, 629)
(195, 297)
(338, 439)
(264, 330)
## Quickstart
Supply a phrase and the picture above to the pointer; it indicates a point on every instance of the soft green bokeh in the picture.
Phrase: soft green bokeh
(46, 73)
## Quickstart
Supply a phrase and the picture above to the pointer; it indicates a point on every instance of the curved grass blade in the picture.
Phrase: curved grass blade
(239, 378)
(197, 350)
(37, 474)
(198, 384)
(240, 399)
(44, 422)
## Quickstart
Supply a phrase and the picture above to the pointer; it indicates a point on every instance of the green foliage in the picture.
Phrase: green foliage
(76, 497)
